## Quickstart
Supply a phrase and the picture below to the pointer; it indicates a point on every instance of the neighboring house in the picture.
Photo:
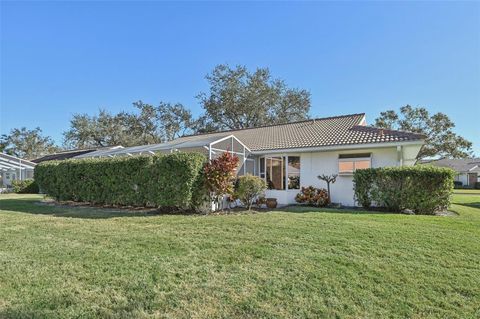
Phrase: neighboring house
(468, 169)
(12, 168)
(289, 156)
(69, 154)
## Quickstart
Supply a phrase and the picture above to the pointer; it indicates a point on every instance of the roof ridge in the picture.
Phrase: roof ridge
(83, 149)
(279, 124)
(71, 151)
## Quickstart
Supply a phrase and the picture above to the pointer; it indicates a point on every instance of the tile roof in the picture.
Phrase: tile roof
(329, 131)
(62, 155)
(461, 165)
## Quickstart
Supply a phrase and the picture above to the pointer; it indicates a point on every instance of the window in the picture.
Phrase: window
(348, 163)
(280, 172)
(262, 167)
(275, 172)
(294, 172)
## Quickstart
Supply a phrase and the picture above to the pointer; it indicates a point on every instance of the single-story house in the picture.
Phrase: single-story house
(468, 169)
(289, 156)
(14, 168)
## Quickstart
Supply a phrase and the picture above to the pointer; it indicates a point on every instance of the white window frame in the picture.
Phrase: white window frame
(353, 160)
(285, 177)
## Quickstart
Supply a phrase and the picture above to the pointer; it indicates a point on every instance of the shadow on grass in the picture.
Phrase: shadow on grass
(349, 210)
(473, 205)
(31, 206)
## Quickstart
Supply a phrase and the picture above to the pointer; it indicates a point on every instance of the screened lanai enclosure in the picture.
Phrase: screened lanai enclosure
(14, 168)
(211, 146)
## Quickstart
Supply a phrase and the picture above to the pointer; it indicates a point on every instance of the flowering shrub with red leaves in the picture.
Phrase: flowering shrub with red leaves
(220, 175)
(313, 196)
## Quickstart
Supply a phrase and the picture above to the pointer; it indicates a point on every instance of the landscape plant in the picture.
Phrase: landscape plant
(173, 180)
(329, 179)
(313, 196)
(422, 189)
(220, 176)
(249, 188)
(28, 186)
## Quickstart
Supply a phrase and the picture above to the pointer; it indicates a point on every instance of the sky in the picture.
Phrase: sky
(61, 58)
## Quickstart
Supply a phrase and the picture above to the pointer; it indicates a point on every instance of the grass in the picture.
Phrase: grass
(467, 191)
(86, 263)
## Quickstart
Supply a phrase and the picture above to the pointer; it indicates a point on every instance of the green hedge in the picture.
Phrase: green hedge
(28, 186)
(173, 180)
(422, 189)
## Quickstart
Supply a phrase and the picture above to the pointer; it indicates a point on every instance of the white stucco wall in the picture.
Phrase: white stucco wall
(313, 164)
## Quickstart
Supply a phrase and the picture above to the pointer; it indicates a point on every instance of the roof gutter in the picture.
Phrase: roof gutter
(337, 147)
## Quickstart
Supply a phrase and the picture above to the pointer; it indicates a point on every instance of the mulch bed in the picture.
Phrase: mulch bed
(149, 210)
(231, 211)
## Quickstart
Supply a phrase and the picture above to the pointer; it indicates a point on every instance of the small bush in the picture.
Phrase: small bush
(248, 188)
(220, 176)
(28, 186)
(313, 196)
(422, 189)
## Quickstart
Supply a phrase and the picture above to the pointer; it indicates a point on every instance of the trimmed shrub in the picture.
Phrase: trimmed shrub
(173, 180)
(313, 196)
(28, 186)
(248, 188)
(423, 189)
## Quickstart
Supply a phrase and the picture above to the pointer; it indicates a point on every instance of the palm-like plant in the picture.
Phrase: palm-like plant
(328, 179)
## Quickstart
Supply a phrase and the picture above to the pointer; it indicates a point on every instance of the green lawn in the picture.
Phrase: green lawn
(467, 191)
(84, 263)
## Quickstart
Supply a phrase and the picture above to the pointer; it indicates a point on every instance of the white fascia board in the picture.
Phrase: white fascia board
(13, 166)
(22, 163)
(220, 150)
(7, 167)
(473, 168)
(227, 137)
(17, 159)
(338, 147)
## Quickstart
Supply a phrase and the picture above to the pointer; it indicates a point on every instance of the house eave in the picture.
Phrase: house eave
(345, 147)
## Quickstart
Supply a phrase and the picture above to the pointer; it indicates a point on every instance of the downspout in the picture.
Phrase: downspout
(400, 155)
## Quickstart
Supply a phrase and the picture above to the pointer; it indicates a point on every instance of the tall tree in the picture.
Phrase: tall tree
(441, 141)
(240, 99)
(175, 120)
(144, 126)
(100, 130)
(149, 124)
(27, 144)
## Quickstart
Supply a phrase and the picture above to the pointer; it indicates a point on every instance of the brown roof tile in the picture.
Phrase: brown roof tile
(330, 131)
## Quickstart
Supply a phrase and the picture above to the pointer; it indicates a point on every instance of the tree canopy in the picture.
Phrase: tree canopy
(241, 99)
(237, 99)
(441, 141)
(149, 125)
(27, 144)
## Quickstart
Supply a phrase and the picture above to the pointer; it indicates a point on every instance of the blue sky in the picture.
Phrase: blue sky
(61, 58)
